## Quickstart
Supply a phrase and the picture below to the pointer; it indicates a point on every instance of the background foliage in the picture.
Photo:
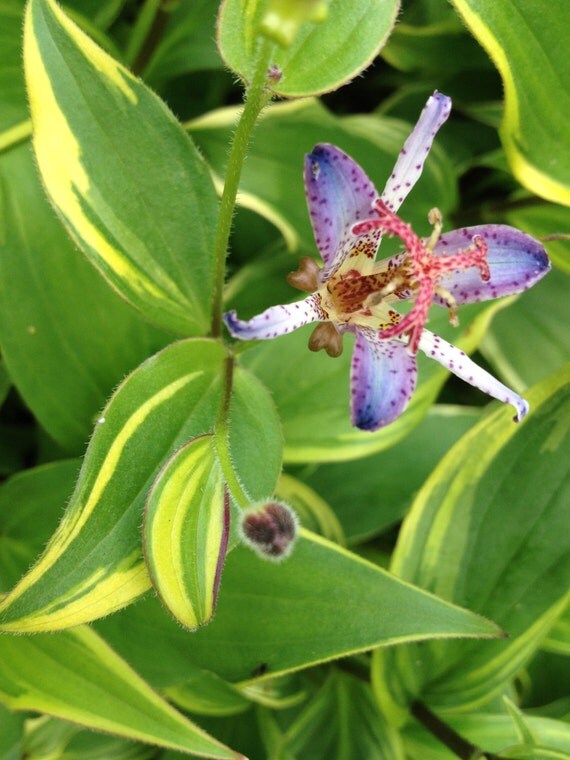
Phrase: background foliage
(132, 435)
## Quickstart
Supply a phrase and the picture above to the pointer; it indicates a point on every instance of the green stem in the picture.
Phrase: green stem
(257, 97)
(222, 442)
(448, 736)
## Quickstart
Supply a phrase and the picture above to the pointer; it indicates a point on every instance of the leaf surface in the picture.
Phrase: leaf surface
(129, 185)
(93, 563)
(75, 675)
(523, 38)
(322, 57)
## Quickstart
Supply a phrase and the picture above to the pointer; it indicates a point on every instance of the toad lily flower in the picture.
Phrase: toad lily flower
(353, 292)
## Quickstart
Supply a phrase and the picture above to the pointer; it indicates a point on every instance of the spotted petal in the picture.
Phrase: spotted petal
(461, 365)
(383, 377)
(277, 320)
(411, 160)
(339, 193)
(516, 261)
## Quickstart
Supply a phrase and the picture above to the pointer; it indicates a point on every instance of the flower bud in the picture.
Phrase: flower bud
(270, 529)
(283, 18)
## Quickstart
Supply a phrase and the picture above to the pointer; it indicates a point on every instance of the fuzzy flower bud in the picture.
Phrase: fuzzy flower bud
(270, 529)
(283, 18)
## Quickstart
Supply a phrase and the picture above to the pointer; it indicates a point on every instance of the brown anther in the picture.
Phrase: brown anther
(306, 277)
(325, 335)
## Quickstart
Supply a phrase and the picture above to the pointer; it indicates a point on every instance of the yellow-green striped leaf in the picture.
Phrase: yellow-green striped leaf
(488, 531)
(524, 40)
(59, 320)
(75, 675)
(127, 182)
(186, 531)
(93, 564)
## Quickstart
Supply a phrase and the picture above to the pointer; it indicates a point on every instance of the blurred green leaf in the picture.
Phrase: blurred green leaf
(185, 534)
(323, 56)
(321, 603)
(14, 124)
(492, 732)
(530, 339)
(487, 531)
(75, 675)
(205, 693)
(11, 734)
(341, 720)
(49, 737)
(40, 495)
(314, 513)
(371, 494)
(137, 198)
(187, 43)
(67, 338)
(93, 563)
(523, 38)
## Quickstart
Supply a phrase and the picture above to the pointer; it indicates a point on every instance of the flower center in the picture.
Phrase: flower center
(423, 269)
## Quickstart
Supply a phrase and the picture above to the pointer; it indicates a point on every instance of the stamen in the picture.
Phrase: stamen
(306, 277)
(425, 268)
(325, 335)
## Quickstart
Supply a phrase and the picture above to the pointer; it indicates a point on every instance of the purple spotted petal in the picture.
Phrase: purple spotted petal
(383, 377)
(338, 194)
(411, 160)
(277, 320)
(462, 366)
(516, 261)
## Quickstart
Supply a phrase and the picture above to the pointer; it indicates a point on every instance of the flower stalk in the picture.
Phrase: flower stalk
(257, 97)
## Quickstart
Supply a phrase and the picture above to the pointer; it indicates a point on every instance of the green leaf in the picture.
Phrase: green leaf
(255, 435)
(187, 43)
(93, 563)
(75, 675)
(341, 721)
(530, 339)
(323, 602)
(205, 693)
(11, 734)
(50, 737)
(323, 56)
(136, 196)
(39, 494)
(272, 180)
(523, 38)
(558, 639)
(493, 732)
(487, 531)
(388, 481)
(14, 122)
(186, 531)
(59, 321)
(314, 513)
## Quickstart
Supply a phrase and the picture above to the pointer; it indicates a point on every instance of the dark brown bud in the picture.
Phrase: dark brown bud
(270, 529)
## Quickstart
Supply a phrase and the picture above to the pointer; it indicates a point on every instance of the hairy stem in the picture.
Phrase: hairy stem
(222, 439)
(257, 97)
(447, 736)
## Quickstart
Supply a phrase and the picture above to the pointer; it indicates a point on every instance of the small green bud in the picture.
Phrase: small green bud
(283, 18)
